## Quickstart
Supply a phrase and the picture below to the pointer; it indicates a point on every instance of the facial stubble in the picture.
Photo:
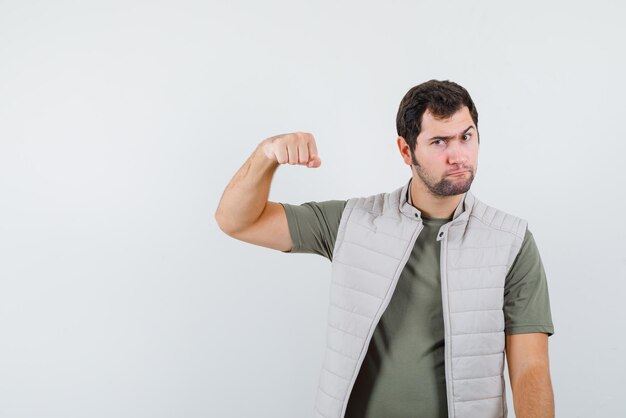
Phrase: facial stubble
(443, 187)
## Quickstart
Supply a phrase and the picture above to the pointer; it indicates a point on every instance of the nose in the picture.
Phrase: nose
(457, 155)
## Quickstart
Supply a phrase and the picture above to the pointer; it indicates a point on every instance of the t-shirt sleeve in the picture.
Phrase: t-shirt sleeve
(526, 299)
(313, 226)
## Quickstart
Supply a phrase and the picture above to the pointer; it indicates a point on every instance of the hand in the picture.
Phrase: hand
(296, 148)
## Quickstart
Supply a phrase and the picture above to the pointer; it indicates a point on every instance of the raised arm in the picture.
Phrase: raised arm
(244, 211)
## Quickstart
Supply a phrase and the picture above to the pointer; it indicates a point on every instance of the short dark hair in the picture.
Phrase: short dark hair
(441, 98)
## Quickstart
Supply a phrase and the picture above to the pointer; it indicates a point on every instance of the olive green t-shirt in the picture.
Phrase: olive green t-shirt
(403, 372)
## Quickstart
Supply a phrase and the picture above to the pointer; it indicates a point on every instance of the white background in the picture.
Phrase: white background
(121, 123)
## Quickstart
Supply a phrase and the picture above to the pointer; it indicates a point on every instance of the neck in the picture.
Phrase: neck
(433, 206)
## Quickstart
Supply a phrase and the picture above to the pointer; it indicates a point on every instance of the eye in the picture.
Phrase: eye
(467, 136)
(436, 142)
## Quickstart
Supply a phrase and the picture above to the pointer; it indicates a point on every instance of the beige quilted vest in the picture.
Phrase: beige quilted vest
(375, 238)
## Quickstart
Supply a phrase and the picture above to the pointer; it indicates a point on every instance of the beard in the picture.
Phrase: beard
(444, 187)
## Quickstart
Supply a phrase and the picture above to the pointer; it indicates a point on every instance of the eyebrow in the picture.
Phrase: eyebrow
(452, 136)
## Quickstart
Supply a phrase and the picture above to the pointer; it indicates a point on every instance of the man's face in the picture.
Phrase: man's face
(444, 147)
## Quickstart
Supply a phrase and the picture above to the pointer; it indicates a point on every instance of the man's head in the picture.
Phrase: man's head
(437, 125)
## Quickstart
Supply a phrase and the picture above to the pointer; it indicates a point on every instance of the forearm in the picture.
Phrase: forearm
(247, 193)
(532, 394)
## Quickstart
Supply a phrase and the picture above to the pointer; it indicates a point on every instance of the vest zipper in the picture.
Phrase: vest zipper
(443, 237)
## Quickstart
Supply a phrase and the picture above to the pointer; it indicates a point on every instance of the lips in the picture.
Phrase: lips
(457, 172)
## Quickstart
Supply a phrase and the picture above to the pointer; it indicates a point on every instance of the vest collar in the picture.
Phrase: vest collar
(461, 212)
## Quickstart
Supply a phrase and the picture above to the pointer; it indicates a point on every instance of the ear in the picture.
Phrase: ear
(405, 150)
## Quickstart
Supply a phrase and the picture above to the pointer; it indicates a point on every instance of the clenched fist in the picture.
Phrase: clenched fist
(296, 148)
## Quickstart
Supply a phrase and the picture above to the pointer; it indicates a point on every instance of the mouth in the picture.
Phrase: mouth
(458, 173)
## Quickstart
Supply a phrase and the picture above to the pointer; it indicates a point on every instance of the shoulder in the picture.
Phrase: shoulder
(497, 219)
(376, 203)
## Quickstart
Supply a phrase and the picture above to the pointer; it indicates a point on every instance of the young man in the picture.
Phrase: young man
(430, 286)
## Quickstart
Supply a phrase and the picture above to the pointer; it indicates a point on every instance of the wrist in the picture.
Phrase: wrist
(261, 159)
